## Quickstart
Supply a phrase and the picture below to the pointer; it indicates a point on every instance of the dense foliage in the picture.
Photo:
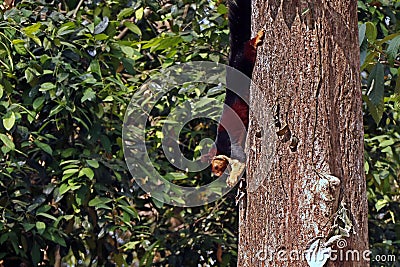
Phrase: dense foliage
(68, 71)
(379, 45)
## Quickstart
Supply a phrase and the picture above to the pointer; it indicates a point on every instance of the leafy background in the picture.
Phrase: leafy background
(68, 71)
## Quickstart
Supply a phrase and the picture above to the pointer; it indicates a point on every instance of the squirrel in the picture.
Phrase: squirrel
(229, 143)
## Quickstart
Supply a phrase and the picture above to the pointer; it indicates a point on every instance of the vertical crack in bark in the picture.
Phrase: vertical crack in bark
(317, 93)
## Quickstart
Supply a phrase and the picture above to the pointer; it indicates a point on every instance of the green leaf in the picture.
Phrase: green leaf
(124, 13)
(363, 52)
(178, 200)
(68, 173)
(66, 28)
(214, 58)
(371, 31)
(41, 227)
(386, 143)
(3, 238)
(139, 13)
(35, 253)
(30, 30)
(388, 38)
(92, 163)
(55, 236)
(62, 76)
(29, 75)
(7, 141)
(81, 195)
(105, 141)
(88, 172)
(28, 226)
(47, 86)
(64, 188)
(38, 102)
(130, 210)
(71, 162)
(19, 46)
(375, 110)
(9, 120)
(397, 88)
(127, 50)
(366, 166)
(101, 37)
(129, 65)
(99, 201)
(381, 203)
(369, 59)
(163, 43)
(46, 215)
(45, 147)
(1, 90)
(133, 28)
(393, 48)
(361, 5)
(95, 67)
(89, 94)
(361, 33)
(56, 110)
(174, 176)
(170, 42)
(222, 9)
(376, 85)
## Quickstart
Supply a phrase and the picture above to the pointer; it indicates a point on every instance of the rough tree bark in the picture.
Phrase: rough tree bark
(307, 77)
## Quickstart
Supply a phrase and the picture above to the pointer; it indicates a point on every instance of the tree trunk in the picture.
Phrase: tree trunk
(306, 194)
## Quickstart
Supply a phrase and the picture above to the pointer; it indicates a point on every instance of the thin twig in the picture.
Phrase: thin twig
(77, 8)
(122, 34)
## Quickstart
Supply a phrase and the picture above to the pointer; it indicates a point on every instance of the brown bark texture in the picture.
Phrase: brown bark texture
(305, 166)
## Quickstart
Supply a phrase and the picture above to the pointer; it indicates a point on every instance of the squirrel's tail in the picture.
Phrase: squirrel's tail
(239, 26)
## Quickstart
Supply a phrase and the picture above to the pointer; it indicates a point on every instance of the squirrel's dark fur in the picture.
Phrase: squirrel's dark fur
(231, 137)
(239, 18)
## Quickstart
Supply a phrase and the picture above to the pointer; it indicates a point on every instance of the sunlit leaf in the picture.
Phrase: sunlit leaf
(7, 141)
(381, 203)
(133, 28)
(93, 163)
(47, 86)
(41, 227)
(9, 120)
(89, 94)
(38, 102)
(87, 172)
(32, 29)
(124, 13)
(19, 46)
(139, 13)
